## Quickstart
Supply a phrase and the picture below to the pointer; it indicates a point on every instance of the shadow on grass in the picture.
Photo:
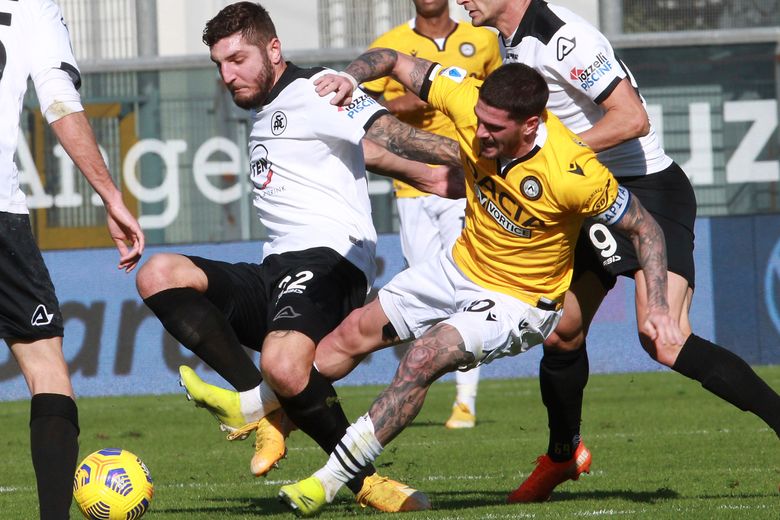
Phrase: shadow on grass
(460, 500)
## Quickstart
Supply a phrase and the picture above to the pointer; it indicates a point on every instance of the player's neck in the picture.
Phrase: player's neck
(510, 19)
(437, 26)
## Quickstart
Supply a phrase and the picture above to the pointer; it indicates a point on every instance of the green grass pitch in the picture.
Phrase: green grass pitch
(663, 448)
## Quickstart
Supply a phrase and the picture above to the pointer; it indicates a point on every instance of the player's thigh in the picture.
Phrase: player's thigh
(668, 196)
(419, 297)
(240, 292)
(29, 308)
(43, 365)
(494, 325)
(166, 271)
(312, 291)
(418, 232)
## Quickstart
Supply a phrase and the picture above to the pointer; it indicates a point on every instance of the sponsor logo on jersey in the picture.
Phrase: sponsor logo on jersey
(499, 216)
(357, 105)
(467, 49)
(531, 188)
(591, 74)
(576, 169)
(564, 46)
(286, 312)
(456, 74)
(278, 122)
(41, 316)
(260, 168)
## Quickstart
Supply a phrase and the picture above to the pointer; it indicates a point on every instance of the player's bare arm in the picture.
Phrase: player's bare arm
(76, 137)
(373, 64)
(445, 181)
(438, 351)
(649, 243)
(411, 143)
(625, 118)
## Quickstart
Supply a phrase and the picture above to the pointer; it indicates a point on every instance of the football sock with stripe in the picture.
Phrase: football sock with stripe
(562, 380)
(191, 318)
(54, 431)
(729, 377)
(355, 452)
(316, 411)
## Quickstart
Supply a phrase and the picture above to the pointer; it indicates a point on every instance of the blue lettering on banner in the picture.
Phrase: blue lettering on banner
(772, 286)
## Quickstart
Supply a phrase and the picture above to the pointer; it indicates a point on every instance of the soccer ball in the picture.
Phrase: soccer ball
(112, 484)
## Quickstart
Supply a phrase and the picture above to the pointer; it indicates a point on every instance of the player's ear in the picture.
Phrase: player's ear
(532, 125)
(274, 49)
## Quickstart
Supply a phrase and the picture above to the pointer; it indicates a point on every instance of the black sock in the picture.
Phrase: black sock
(54, 432)
(200, 326)
(562, 379)
(728, 376)
(316, 411)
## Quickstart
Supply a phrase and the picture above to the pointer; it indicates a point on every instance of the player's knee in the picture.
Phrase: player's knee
(155, 275)
(286, 376)
(562, 342)
(663, 354)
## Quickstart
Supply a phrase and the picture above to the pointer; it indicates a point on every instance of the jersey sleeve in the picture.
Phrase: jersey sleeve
(585, 59)
(49, 46)
(451, 91)
(348, 122)
(592, 189)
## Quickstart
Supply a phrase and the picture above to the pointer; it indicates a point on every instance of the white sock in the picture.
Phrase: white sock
(466, 388)
(258, 402)
(356, 449)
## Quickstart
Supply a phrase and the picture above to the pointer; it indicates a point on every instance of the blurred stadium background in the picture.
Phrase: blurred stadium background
(174, 142)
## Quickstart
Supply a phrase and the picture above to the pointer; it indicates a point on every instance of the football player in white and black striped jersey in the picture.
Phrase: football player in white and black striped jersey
(310, 191)
(34, 43)
(595, 95)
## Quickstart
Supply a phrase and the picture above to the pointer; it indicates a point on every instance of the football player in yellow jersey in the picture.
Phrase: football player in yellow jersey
(530, 185)
(428, 224)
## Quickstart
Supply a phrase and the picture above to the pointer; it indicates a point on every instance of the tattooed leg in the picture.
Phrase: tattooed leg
(439, 351)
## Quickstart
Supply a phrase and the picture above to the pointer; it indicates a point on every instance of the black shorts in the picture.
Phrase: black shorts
(669, 197)
(308, 291)
(29, 309)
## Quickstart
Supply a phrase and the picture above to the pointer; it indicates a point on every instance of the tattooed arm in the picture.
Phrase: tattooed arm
(373, 64)
(650, 247)
(411, 143)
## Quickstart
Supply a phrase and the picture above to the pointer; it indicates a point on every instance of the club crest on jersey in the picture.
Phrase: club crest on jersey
(565, 46)
(467, 49)
(41, 316)
(531, 188)
(456, 74)
(260, 171)
(278, 122)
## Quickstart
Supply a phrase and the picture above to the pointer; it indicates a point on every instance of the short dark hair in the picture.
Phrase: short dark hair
(249, 18)
(516, 88)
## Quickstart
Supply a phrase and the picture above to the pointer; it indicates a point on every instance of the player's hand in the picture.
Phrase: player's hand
(663, 330)
(341, 85)
(126, 234)
(444, 181)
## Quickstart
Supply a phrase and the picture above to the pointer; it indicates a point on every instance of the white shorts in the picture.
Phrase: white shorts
(428, 226)
(492, 324)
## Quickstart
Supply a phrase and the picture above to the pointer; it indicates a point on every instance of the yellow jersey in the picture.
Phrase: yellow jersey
(522, 217)
(474, 49)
